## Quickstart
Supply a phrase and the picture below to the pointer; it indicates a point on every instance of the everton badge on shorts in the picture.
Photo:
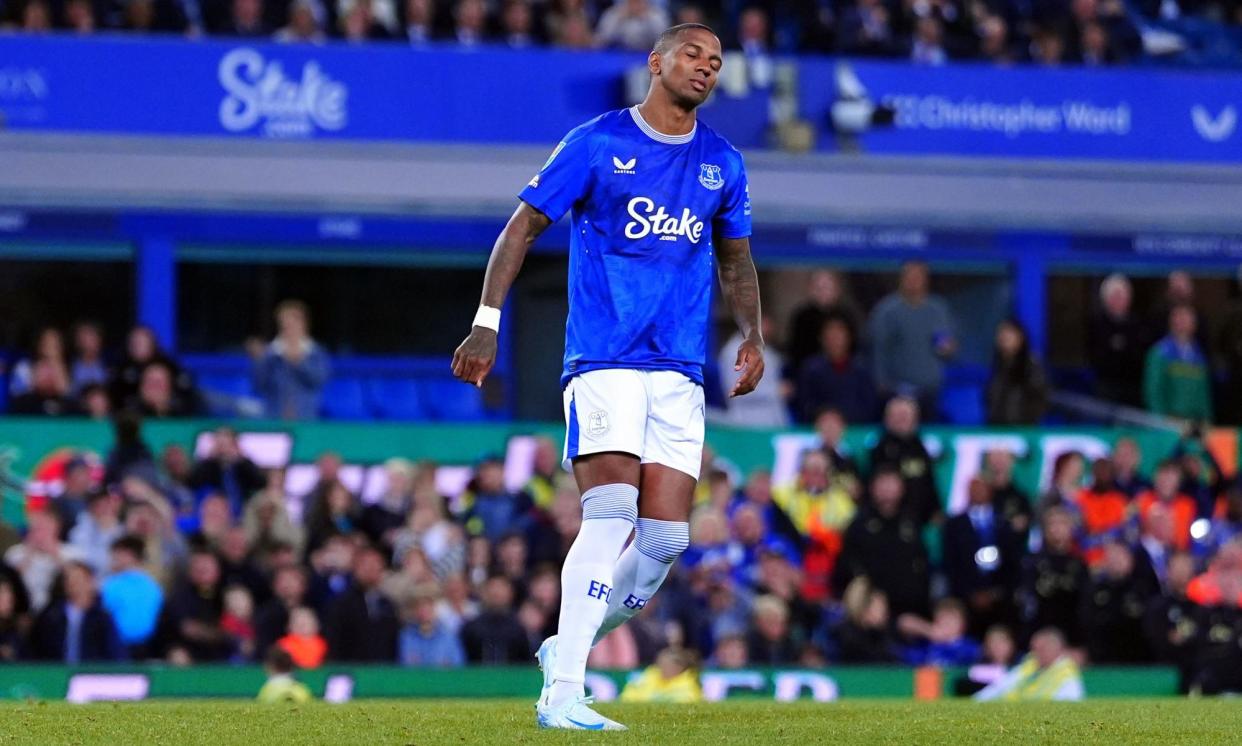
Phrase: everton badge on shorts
(709, 176)
(597, 424)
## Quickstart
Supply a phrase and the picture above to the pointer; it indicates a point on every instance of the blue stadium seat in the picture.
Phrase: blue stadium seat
(448, 399)
(345, 399)
(962, 405)
(221, 382)
(396, 398)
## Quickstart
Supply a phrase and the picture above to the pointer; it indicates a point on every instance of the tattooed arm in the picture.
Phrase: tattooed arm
(475, 357)
(741, 287)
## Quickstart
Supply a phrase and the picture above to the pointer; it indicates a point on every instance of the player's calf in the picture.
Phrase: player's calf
(643, 568)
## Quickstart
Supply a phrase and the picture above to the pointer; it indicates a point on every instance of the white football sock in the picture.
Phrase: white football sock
(608, 515)
(642, 569)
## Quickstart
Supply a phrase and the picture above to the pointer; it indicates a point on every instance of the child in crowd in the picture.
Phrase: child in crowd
(304, 644)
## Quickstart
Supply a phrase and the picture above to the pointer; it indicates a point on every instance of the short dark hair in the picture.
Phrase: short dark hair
(278, 660)
(132, 544)
(672, 33)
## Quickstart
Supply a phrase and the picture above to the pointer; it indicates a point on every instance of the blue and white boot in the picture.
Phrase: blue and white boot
(546, 657)
(574, 714)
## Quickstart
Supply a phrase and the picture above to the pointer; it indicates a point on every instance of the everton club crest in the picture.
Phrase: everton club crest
(709, 176)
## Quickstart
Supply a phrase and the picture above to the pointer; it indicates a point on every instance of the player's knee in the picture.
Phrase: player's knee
(662, 540)
(618, 501)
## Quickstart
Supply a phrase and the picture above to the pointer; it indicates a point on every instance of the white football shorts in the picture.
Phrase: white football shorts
(657, 415)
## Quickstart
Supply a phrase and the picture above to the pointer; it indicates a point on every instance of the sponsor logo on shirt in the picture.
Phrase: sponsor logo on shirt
(651, 220)
(624, 167)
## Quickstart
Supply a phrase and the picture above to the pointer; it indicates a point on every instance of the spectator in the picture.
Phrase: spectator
(291, 371)
(771, 641)
(266, 520)
(177, 472)
(290, 379)
(836, 378)
(48, 395)
(928, 46)
(76, 491)
(195, 609)
(982, 557)
(516, 21)
(281, 687)
(767, 405)
(426, 640)
(238, 568)
(361, 624)
(567, 24)
(995, 44)
(88, 368)
(158, 398)
(1181, 508)
(1010, 501)
(943, 640)
(96, 529)
(1176, 376)
(631, 24)
(1117, 341)
(1067, 473)
(471, 22)
(273, 617)
(237, 621)
(883, 544)
(1156, 547)
(420, 17)
(815, 502)
(1113, 609)
(80, 16)
(493, 510)
(865, 635)
(1017, 392)
(152, 523)
(14, 620)
(1048, 673)
(826, 297)
(141, 351)
(41, 556)
(304, 644)
(867, 30)
(547, 469)
(830, 427)
(912, 333)
(247, 19)
(495, 636)
(93, 400)
(50, 346)
(901, 449)
(757, 492)
(1105, 511)
(75, 628)
(305, 23)
(383, 518)
(1169, 622)
(754, 39)
(1053, 579)
(673, 678)
(228, 471)
(1126, 460)
(132, 596)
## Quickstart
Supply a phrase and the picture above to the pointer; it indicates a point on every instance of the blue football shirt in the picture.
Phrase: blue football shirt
(644, 209)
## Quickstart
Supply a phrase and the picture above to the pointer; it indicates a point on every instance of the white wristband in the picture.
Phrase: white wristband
(488, 318)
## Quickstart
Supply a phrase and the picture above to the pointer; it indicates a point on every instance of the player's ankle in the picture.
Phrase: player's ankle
(563, 691)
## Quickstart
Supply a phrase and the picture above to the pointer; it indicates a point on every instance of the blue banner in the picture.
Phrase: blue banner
(447, 94)
(1130, 114)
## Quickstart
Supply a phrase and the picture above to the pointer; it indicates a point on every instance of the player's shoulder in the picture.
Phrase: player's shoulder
(601, 125)
(716, 142)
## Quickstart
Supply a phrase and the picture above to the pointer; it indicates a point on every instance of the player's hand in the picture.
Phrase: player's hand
(475, 356)
(750, 365)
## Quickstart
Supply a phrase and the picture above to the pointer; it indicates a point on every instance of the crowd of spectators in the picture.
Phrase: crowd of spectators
(210, 560)
(52, 379)
(1087, 32)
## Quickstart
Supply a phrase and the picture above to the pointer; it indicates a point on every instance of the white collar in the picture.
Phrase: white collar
(658, 136)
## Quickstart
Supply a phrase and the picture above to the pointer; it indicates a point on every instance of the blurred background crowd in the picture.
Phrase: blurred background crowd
(931, 32)
(162, 556)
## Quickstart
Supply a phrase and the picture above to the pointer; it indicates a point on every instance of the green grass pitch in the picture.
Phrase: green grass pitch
(374, 723)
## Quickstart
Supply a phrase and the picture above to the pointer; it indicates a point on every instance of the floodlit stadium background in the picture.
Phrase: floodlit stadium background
(187, 167)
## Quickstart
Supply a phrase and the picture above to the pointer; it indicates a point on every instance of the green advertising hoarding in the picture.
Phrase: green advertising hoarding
(343, 683)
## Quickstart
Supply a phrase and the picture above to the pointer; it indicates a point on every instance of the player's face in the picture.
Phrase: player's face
(690, 70)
